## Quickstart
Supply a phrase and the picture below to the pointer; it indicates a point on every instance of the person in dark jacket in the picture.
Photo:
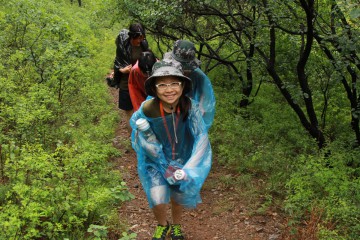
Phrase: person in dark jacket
(130, 43)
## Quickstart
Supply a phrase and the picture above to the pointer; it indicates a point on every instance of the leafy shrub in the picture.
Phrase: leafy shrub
(255, 140)
(56, 124)
(330, 184)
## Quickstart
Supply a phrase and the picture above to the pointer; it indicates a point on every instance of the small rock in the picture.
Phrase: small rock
(274, 236)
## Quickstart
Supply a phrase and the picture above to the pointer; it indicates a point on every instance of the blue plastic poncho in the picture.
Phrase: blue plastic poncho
(192, 153)
(202, 92)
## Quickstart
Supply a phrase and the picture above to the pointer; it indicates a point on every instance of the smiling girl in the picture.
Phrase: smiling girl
(182, 144)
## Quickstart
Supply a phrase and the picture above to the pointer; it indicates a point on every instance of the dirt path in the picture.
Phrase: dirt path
(224, 214)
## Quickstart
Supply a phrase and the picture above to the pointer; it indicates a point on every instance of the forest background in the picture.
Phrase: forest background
(286, 79)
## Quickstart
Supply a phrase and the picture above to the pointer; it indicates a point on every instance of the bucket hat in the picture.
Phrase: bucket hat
(184, 52)
(162, 69)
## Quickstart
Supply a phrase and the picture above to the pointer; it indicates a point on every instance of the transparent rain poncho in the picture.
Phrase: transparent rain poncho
(192, 153)
(202, 92)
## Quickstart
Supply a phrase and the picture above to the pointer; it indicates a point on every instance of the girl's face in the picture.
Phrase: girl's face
(169, 89)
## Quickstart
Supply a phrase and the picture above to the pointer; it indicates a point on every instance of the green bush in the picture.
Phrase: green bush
(57, 123)
(255, 141)
(330, 184)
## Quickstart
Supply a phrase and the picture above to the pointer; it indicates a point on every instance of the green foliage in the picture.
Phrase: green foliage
(100, 232)
(57, 122)
(247, 137)
(121, 193)
(257, 142)
(330, 184)
(158, 10)
(126, 236)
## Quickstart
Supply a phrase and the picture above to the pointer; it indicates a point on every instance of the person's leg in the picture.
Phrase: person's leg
(163, 228)
(159, 197)
(160, 214)
(175, 227)
(128, 114)
(126, 106)
(176, 212)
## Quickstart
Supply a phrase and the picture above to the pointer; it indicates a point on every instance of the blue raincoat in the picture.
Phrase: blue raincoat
(202, 92)
(192, 153)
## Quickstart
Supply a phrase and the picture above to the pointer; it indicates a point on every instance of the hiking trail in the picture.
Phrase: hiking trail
(224, 213)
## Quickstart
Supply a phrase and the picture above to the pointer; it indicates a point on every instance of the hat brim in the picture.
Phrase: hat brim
(150, 88)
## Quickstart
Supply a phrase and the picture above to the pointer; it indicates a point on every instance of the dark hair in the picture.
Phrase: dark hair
(146, 61)
(144, 45)
(184, 105)
(136, 30)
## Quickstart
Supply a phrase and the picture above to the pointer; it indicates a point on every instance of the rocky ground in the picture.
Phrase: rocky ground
(225, 213)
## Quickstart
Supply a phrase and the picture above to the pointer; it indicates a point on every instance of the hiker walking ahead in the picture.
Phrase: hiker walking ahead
(138, 74)
(182, 144)
(130, 43)
(202, 91)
